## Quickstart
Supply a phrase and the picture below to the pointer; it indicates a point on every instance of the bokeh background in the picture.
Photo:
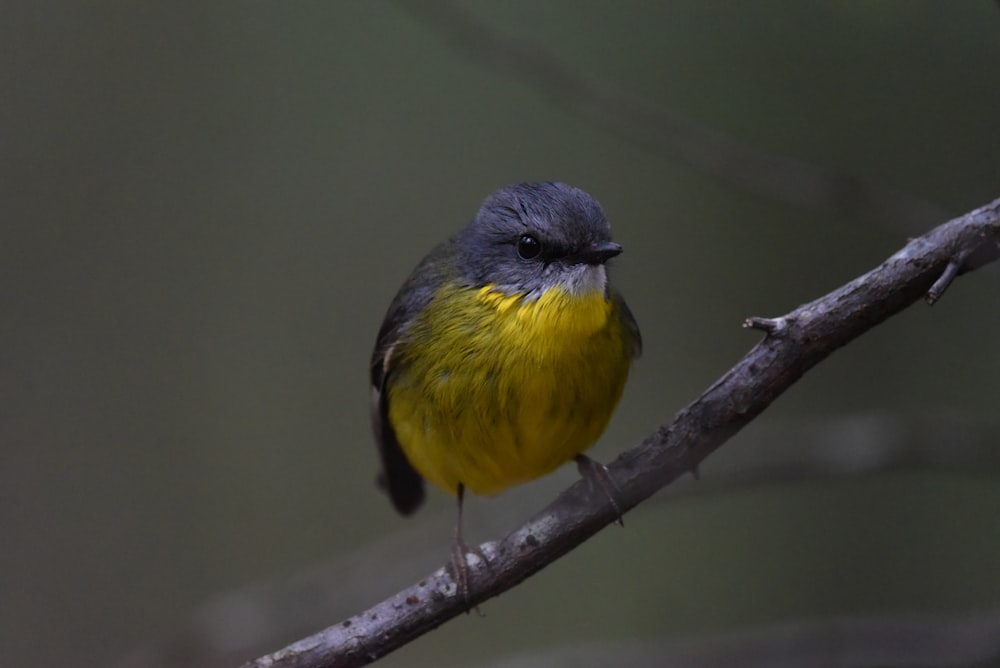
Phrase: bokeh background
(206, 207)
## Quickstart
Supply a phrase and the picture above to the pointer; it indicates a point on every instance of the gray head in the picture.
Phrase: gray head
(529, 237)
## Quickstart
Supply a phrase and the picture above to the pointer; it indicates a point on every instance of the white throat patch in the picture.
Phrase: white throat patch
(583, 279)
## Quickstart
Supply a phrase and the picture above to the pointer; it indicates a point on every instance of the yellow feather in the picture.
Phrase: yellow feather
(505, 388)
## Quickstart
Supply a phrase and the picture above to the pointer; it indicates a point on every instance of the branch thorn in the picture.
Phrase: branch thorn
(771, 326)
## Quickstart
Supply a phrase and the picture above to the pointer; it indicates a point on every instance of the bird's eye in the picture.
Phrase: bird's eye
(528, 247)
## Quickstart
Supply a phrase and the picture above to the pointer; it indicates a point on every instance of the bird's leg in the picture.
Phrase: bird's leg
(459, 551)
(596, 474)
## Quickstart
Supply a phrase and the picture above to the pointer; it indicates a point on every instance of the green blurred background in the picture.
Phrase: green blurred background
(206, 208)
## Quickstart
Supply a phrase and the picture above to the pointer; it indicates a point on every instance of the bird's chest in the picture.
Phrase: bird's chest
(515, 388)
(509, 357)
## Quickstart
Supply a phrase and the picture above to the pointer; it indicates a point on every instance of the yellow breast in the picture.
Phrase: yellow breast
(491, 390)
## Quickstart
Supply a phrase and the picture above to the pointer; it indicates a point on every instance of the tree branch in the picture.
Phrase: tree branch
(251, 619)
(792, 345)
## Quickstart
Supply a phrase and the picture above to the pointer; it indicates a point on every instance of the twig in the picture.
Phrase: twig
(794, 343)
(654, 127)
(970, 639)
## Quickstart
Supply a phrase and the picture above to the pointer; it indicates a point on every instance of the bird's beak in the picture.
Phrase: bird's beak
(599, 252)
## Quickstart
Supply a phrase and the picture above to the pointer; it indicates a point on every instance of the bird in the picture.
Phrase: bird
(503, 355)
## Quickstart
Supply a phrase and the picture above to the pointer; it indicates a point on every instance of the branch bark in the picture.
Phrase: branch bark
(792, 345)
(256, 617)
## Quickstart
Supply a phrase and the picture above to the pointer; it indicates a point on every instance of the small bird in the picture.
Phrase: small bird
(504, 354)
